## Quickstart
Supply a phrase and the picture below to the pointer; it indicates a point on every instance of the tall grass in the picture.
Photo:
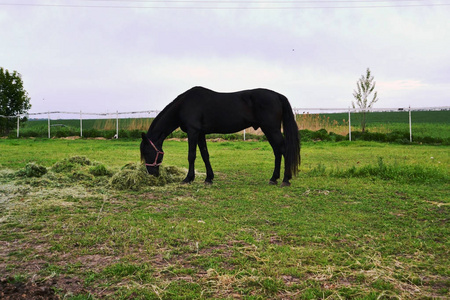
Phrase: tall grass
(125, 124)
(316, 122)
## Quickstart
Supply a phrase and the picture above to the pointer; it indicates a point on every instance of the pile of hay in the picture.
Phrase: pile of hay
(81, 170)
(69, 164)
(32, 170)
(65, 172)
(135, 177)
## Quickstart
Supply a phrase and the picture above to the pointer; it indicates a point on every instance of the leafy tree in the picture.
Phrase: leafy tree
(14, 100)
(365, 86)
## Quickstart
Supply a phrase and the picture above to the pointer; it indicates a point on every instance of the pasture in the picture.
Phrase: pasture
(363, 220)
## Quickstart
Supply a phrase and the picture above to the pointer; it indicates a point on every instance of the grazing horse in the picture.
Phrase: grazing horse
(201, 111)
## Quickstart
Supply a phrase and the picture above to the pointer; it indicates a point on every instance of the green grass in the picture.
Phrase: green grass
(362, 220)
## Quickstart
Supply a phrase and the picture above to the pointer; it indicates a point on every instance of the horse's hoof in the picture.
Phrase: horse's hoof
(185, 182)
(283, 184)
(208, 182)
(271, 182)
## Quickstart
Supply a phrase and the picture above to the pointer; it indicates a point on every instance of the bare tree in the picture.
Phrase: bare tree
(365, 86)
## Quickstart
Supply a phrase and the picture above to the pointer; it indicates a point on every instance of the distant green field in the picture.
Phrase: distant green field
(434, 124)
(399, 117)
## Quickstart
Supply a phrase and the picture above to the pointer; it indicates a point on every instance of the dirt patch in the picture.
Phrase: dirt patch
(10, 289)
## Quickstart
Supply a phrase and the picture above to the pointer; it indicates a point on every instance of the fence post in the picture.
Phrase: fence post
(349, 126)
(244, 134)
(117, 124)
(81, 124)
(48, 118)
(410, 127)
(18, 119)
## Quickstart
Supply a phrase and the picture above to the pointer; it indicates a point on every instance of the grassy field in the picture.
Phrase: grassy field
(361, 221)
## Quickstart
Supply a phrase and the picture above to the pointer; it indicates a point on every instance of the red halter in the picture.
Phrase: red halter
(155, 164)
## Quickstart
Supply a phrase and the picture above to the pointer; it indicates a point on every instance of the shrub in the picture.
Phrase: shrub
(91, 133)
(319, 135)
(429, 140)
(135, 134)
(337, 137)
(178, 134)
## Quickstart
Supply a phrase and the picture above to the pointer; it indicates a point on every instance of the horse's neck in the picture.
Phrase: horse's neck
(164, 126)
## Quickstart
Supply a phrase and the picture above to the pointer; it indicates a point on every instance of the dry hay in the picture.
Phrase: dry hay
(134, 176)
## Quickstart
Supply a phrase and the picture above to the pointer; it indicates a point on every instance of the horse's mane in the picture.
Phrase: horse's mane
(163, 112)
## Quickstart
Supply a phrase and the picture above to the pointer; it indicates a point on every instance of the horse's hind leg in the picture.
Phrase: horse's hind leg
(276, 170)
(276, 140)
(205, 156)
(287, 174)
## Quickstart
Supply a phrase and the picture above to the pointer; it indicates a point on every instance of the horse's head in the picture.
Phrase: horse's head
(151, 156)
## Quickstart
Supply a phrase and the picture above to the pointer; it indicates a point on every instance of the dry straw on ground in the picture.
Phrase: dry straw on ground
(135, 177)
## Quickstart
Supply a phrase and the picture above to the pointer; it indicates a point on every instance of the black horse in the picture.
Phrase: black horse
(200, 111)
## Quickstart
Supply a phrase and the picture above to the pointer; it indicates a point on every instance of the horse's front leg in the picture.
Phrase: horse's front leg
(192, 141)
(205, 156)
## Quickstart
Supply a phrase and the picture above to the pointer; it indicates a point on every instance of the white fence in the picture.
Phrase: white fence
(299, 111)
(82, 116)
(153, 113)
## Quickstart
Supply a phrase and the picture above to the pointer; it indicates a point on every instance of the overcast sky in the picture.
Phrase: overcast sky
(103, 56)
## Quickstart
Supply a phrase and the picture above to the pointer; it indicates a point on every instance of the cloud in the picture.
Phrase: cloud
(398, 85)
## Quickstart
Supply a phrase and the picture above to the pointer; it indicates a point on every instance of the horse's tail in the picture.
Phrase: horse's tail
(291, 135)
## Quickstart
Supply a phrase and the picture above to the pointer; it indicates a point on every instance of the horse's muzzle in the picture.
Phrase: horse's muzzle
(153, 171)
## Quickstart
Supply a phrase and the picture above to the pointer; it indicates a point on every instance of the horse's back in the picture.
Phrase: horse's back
(260, 97)
(220, 112)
